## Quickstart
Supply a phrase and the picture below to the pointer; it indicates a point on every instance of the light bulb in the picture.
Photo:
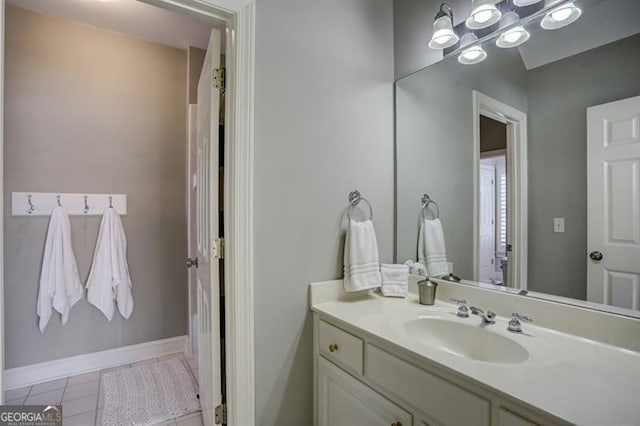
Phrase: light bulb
(443, 34)
(484, 13)
(473, 54)
(561, 16)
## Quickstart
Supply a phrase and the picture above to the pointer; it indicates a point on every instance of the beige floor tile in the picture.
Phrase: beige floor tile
(192, 420)
(80, 405)
(145, 362)
(78, 391)
(114, 369)
(17, 393)
(84, 419)
(48, 386)
(83, 378)
(17, 401)
(52, 397)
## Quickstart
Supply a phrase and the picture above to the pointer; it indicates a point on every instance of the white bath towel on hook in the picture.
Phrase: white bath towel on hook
(60, 286)
(109, 280)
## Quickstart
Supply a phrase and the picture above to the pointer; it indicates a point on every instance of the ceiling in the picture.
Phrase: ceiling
(602, 22)
(130, 17)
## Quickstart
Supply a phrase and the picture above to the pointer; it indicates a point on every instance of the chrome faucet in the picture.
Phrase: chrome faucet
(487, 317)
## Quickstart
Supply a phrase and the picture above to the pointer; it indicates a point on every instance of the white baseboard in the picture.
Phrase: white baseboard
(88, 363)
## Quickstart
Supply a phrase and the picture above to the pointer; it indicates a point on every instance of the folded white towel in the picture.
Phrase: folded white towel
(395, 280)
(361, 260)
(60, 285)
(109, 278)
(416, 268)
(431, 248)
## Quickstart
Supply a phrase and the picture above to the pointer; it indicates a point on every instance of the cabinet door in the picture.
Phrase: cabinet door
(509, 418)
(345, 401)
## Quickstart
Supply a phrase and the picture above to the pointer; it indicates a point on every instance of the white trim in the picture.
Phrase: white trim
(239, 221)
(239, 16)
(88, 363)
(2, 334)
(517, 144)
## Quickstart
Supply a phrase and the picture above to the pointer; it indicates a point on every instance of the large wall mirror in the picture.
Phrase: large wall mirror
(532, 154)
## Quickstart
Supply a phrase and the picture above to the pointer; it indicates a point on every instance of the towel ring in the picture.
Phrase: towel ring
(354, 199)
(426, 202)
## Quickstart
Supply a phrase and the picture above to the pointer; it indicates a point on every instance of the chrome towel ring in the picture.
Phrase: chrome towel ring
(354, 199)
(426, 202)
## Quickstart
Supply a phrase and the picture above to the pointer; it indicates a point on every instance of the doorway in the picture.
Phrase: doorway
(228, 14)
(500, 193)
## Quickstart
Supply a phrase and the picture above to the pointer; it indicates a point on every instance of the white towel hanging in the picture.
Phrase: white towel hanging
(109, 280)
(361, 260)
(431, 248)
(60, 286)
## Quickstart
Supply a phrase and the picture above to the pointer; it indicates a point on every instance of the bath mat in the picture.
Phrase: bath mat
(148, 394)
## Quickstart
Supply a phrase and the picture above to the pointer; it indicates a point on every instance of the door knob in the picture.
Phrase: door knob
(595, 255)
(333, 347)
(192, 262)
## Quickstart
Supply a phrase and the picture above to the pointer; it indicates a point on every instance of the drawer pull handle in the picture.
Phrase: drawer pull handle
(396, 424)
(333, 347)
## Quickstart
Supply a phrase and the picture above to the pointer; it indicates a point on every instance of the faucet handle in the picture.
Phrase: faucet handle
(521, 317)
(463, 311)
(514, 323)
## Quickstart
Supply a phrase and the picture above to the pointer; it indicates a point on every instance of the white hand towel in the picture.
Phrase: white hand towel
(416, 268)
(60, 286)
(361, 260)
(431, 248)
(109, 279)
(395, 280)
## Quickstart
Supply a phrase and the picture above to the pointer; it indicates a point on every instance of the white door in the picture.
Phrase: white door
(208, 279)
(613, 177)
(192, 247)
(344, 401)
(487, 205)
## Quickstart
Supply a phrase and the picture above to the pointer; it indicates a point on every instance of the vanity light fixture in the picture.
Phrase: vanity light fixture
(443, 34)
(512, 37)
(484, 13)
(521, 3)
(561, 16)
(474, 54)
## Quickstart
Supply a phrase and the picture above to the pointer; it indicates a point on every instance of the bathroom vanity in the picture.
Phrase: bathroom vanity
(386, 361)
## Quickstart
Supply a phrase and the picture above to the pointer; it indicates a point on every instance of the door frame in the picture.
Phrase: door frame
(516, 122)
(239, 17)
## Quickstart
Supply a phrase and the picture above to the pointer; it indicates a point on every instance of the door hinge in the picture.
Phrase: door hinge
(218, 248)
(221, 414)
(218, 78)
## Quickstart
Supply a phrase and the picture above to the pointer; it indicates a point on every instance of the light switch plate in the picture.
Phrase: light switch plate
(558, 224)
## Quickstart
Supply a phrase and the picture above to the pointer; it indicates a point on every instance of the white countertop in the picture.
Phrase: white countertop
(575, 379)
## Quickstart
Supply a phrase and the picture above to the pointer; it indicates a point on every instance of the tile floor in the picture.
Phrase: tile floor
(82, 396)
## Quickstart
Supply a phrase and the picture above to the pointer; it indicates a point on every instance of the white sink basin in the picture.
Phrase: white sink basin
(472, 341)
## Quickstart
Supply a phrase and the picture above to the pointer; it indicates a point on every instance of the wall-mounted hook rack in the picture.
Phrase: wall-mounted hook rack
(42, 203)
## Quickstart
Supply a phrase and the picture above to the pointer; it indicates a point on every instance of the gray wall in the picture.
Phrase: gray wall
(434, 146)
(88, 110)
(559, 94)
(324, 126)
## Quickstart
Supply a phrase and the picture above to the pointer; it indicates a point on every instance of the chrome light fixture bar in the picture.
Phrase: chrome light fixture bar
(484, 13)
(561, 16)
(474, 54)
(443, 34)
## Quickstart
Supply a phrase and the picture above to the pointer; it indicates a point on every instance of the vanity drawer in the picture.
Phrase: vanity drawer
(343, 348)
(442, 400)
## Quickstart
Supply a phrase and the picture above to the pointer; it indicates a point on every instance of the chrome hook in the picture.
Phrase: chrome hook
(58, 199)
(110, 202)
(86, 205)
(32, 206)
